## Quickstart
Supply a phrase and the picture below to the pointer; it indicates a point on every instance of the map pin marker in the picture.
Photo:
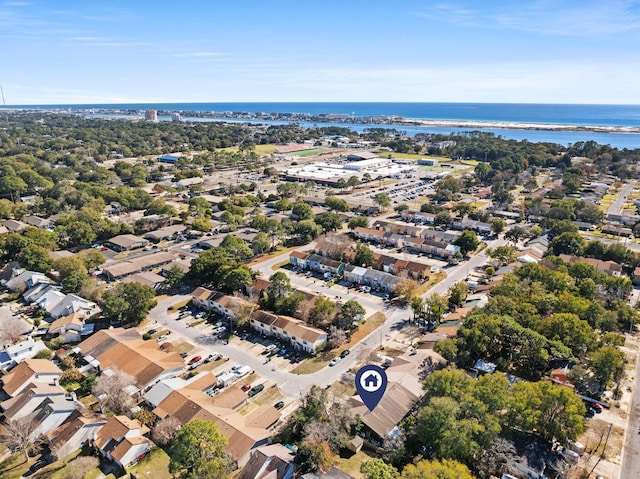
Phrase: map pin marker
(371, 383)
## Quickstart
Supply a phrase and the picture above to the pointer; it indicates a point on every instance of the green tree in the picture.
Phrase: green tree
(353, 181)
(328, 220)
(307, 230)
(73, 273)
(442, 218)
(323, 312)
(607, 364)
(364, 256)
(401, 208)
(498, 225)
(382, 200)
(503, 254)
(567, 243)
(458, 294)
(283, 204)
(36, 258)
(237, 248)
(358, 222)
(352, 311)
(436, 469)
(198, 452)
(468, 241)
(129, 302)
(260, 243)
(236, 279)
(569, 329)
(174, 276)
(336, 204)
(554, 412)
(202, 224)
(302, 210)
(91, 258)
(378, 469)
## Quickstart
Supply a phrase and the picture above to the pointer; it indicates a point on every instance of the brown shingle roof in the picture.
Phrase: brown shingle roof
(116, 428)
(24, 371)
(126, 351)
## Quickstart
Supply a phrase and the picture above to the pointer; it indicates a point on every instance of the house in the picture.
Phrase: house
(14, 226)
(13, 355)
(300, 335)
(243, 433)
(609, 267)
(122, 440)
(126, 351)
(72, 303)
(217, 302)
(70, 328)
(380, 279)
(52, 412)
(147, 278)
(120, 269)
(37, 221)
(368, 234)
(298, 259)
(127, 242)
(77, 431)
(46, 298)
(325, 265)
(274, 461)
(404, 390)
(29, 399)
(165, 233)
(636, 276)
(22, 280)
(418, 217)
(354, 274)
(473, 225)
(439, 248)
(36, 371)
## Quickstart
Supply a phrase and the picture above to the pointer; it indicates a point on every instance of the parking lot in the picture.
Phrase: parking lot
(401, 191)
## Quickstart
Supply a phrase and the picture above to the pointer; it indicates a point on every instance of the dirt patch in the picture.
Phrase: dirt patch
(596, 443)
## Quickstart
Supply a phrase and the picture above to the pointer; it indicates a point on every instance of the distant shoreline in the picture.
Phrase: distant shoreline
(518, 125)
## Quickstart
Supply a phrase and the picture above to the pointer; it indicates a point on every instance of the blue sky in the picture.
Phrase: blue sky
(546, 51)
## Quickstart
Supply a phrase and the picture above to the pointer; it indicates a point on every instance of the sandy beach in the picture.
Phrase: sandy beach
(519, 126)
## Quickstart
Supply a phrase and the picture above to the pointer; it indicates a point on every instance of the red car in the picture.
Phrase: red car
(246, 387)
(194, 360)
(597, 407)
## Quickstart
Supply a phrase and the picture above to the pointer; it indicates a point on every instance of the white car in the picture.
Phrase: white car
(162, 338)
(335, 361)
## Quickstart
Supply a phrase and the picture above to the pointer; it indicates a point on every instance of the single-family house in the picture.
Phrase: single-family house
(37, 221)
(126, 351)
(14, 226)
(404, 390)
(127, 242)
(37, 371)
(146, 278)
(23, 280)
(29, 399)
(12, 355)
(77, 431)
(122, 440)
(72, 303)
(70, 328)
(269, 462)
(44, 296)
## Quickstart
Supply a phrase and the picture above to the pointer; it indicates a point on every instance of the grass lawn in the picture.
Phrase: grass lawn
(154, 465)
(434, 278)
(351, 464)
(319, 361)
(266, 256)
(279, 265)
(179, 305)
(305, 153)
(260, 149)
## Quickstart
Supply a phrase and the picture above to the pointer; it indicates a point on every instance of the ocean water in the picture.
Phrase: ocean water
(555, 114)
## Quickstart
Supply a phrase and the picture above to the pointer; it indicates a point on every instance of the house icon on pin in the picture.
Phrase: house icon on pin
(371, 381)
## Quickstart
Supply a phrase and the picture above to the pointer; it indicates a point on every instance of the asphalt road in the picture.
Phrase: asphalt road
(294, 385)
(616, 206)
(631, 451)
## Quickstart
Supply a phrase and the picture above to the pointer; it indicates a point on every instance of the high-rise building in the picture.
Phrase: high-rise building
(151, 115)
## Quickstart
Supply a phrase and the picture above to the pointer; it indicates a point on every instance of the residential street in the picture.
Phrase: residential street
(294, 385)
(616, 206)
(631, 450)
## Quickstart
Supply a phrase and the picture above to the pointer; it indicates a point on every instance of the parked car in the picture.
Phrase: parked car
(213, 357)
(344, 353)
(246, 387)
(162, 338)
(194, 359)
(152, 331)
(255, 390)
(597, 407)
(279, 405)
(335, 361)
